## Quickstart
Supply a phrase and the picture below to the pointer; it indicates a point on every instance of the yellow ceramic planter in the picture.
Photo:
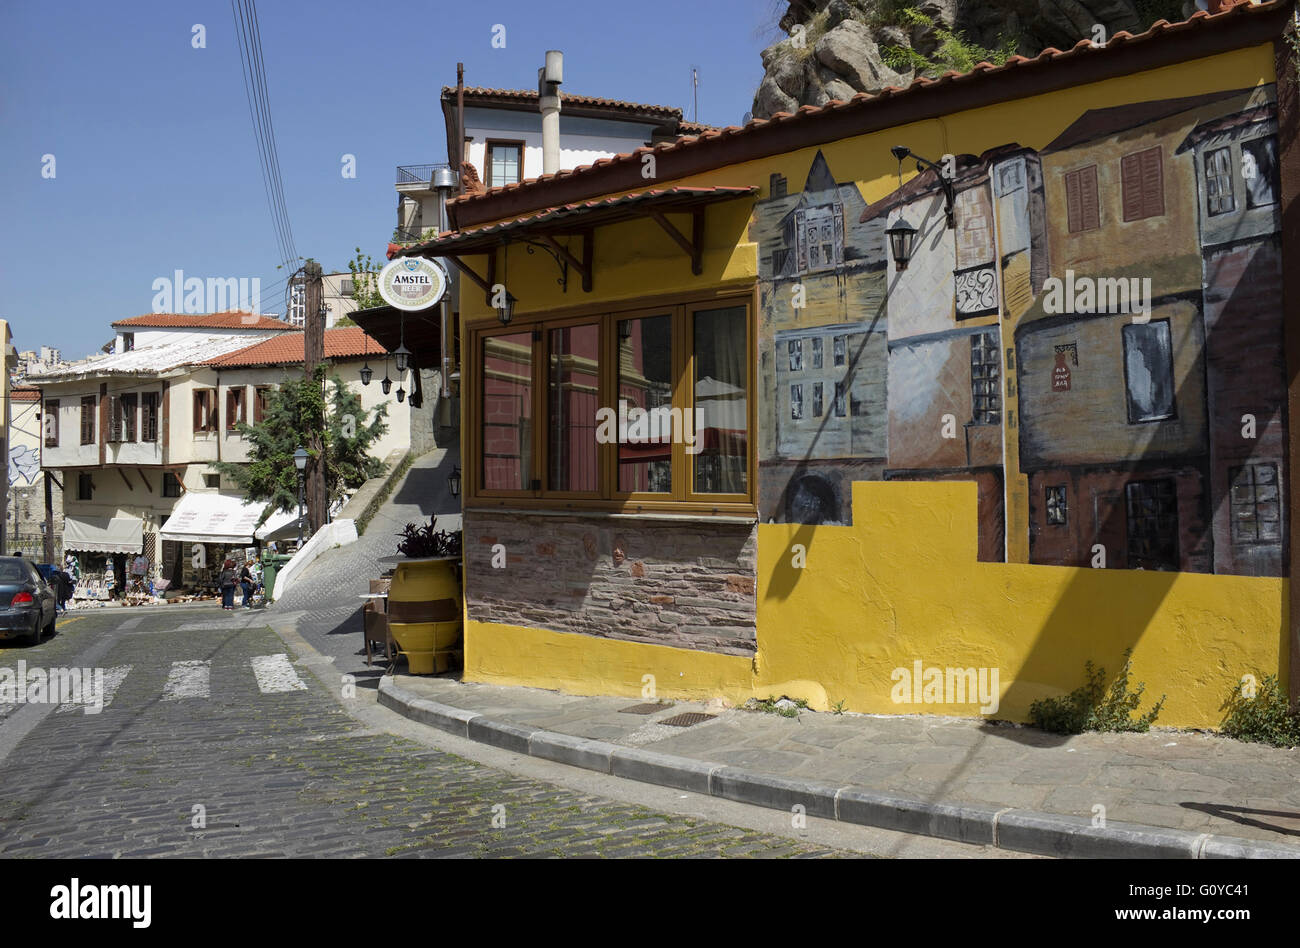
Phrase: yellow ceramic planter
(424, 613)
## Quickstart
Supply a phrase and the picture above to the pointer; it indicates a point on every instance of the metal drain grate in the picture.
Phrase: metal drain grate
(687, 719)
(649, 708)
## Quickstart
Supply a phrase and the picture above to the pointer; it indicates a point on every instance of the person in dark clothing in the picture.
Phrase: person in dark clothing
(228, 580)
(247, 584)
(63, 587)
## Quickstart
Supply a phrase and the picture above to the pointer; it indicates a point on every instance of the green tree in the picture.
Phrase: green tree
(296, 415)
(365, 282)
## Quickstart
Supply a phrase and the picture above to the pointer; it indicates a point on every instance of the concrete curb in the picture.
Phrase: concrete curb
(1047, 834)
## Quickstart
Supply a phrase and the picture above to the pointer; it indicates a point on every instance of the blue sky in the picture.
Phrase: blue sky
(155, 160)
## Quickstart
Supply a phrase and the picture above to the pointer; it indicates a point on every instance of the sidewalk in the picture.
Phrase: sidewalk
(1165, 794)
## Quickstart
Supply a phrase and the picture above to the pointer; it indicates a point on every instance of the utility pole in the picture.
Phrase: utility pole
(313, 355)
(49, 520)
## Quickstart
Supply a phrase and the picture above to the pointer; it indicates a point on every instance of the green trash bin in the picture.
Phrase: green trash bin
(271, 563)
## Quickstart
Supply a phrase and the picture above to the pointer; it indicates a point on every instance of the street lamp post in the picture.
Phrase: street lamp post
(300, 462)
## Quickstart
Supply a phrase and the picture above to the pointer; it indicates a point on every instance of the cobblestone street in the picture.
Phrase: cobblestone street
(212, 745)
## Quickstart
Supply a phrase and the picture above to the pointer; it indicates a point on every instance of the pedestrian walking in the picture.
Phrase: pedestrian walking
(247, 584)
(63, 586)
(228, 580)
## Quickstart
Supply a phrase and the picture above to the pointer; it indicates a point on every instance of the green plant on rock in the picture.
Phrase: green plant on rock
(955, 52)
(1261, 714)
(1092, 707)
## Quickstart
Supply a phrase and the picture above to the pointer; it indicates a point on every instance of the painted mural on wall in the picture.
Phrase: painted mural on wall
(1096, 341)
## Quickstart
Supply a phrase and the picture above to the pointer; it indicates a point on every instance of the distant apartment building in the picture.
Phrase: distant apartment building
(336, 297)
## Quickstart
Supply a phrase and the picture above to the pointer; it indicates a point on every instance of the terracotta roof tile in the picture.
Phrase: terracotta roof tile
(287, 349)
(526, 95)
(1200, 20)
(25, 394)
(235, 319)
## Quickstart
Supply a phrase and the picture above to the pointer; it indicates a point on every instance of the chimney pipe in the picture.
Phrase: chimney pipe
(549, 79)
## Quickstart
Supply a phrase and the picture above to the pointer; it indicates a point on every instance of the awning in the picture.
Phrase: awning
(390, 327)
(279, 526)
(212, 518)
(103, 534)
(578, 220)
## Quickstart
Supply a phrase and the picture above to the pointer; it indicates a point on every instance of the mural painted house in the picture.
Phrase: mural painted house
(1019, 406)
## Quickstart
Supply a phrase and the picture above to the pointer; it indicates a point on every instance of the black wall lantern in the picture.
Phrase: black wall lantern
(902, 241)
(453, 482)
(505, 311)
(386, 384)
(401, 394)
(367, 373)
(402, 355)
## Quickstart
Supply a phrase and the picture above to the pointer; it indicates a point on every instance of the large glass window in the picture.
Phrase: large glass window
(645, 382)
(721, 390)
(638, 408)
(573, 395)
(507, 412)
(504, 163)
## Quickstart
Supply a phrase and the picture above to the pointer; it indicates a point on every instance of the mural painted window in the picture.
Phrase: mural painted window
(839, 400)
(1082, 207)
(985, 379)
(820, 232)
(1143, 183)
(795, 353)
(88, 419)
(1056, 512)
(1259, 170)
(816, 352)
(1218, 181)
(796, 401)
(50, 422)
(1152, 508)
(149, 416)
(573, 397)
(817, 399)
(1256, 505)
(507, 419)
(645, 379)
(840, 346)
(1148, 371)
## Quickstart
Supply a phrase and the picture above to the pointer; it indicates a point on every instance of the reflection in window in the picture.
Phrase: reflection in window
(573, 397)
(507, 411)
(721, 413)
(645, 365)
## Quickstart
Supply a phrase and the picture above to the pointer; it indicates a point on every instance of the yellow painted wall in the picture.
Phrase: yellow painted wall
(902, 584)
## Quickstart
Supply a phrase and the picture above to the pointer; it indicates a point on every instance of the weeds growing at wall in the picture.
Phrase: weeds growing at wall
(1093, 707)
(1262, 714)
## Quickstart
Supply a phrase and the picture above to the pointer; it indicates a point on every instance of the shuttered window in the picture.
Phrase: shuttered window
(1143, 180)
(1082, 206)
(128, 405)
(149, 416)
(259, 404)
(114, 418)
(50, 422)
(234, 407)
(88, 419)
(205, 405)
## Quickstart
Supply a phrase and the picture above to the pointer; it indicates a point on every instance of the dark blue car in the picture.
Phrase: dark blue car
(28, 604)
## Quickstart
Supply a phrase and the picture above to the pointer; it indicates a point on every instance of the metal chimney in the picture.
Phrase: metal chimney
(549, 79)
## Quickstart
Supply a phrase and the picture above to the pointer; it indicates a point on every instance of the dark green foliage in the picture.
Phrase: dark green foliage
(1093, 708)
(428, 540)
(295, 417)
(1264, 717)
(955, 51)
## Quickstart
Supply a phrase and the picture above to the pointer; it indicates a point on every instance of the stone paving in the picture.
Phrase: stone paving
(1187, 780)
(282, 774)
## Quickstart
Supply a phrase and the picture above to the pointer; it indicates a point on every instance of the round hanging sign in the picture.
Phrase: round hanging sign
(412, 283)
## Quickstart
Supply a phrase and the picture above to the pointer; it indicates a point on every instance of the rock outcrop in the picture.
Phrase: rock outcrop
(835, 48)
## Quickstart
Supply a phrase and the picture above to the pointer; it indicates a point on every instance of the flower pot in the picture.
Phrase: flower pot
(424, 613)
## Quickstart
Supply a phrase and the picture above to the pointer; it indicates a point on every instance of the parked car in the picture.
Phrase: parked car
(28, 604)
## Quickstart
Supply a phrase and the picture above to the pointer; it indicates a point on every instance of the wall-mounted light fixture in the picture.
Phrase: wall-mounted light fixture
(902, 240)
(386, 384)
(949, 193)
(402, 355)
(506, 309)
(453, 482)
(367, 373)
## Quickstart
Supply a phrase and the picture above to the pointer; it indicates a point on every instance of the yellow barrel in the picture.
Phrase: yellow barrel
(424, 613)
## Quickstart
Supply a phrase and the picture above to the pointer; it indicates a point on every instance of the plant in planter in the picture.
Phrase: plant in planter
(424, 601)
(428, 540)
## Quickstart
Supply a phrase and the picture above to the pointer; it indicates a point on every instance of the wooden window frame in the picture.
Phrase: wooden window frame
(205, 401)
(260, 396)
(149, 417)
(487, 160)
(50, 423)
(683, 309)
(88, 412)
(129, 409)
(180, 487)
(85, 486)
(236, 397)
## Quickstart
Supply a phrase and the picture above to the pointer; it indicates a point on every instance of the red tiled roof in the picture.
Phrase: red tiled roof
(346, 343)
(25, 394)
(1083, 52)
(567, 98)
(234, 319)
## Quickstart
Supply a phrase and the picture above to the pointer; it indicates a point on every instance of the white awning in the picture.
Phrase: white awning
(211, 518)
(103, 534)
(279, 526)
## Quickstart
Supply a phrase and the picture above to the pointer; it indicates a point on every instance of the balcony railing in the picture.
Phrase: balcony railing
(417, 174)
